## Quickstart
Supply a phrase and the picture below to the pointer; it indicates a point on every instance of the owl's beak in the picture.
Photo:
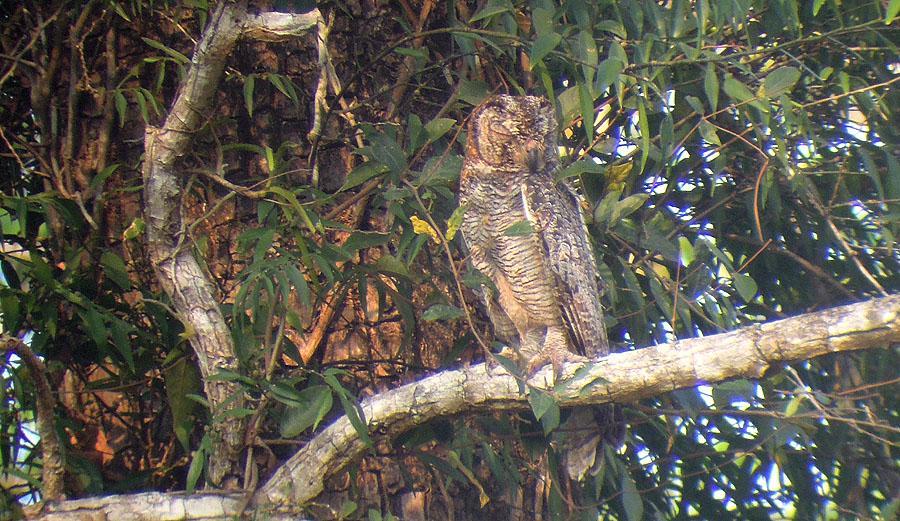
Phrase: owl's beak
(534, 155)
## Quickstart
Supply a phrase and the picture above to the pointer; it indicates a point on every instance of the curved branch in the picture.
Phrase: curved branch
(621, 377)
(52, 470)
(179, 273)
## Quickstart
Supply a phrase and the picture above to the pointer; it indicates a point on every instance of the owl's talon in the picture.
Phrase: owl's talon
(556, 357)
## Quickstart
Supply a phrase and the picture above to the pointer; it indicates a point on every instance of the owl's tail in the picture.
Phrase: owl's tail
(580, 440)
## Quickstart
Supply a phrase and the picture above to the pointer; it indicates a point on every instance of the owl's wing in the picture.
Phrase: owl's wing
(476, 248)
(570, 258)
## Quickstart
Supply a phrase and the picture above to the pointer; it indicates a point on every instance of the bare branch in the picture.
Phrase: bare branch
(143, 507)
(179, 273)
(278, 27)
(51, 456)
(622, 377)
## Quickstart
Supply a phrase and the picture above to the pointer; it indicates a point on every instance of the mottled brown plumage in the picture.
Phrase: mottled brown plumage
(545, 299)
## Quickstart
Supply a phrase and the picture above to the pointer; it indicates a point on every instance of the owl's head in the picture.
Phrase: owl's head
(513, 133)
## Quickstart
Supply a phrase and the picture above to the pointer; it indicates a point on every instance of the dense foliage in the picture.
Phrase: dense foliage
(738, 162)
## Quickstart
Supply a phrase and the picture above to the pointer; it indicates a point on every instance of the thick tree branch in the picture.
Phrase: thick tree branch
(278, 27)
(179, 273)
(52, 470)
(147, 506)
(623, 377)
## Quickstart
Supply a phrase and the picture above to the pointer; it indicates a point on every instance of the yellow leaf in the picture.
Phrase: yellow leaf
(423, 228)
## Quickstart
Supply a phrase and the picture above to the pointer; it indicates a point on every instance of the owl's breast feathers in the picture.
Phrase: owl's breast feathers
(550, 271)
(548, 275)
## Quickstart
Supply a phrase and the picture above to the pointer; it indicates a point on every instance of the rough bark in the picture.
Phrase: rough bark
(152, 505)
(179, 273)
(52, 470)
(623, 377)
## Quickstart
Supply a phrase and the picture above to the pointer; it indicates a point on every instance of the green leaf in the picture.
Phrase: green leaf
(420, 53)
(142, 105)
(542, 19)
(386, 151)
(582, 166)
(656, 237)
(611, 26)
(96, 326)
(134, 230)
(687, 250)
(780, 81)
(352, 409)
(627, 206)
(740, 93)
(519, 228)
(284, 85)
(604, 210)
(540, 402)
(737, 90)
(285, 394)
(299, 283)
(550, 420)
(363, 173)
(608, 72)
(359, 240)
(709, 133)
(292, 201)
(475, 279)
(644, 125)
(442, 312)
(153, 103)
(666, 135)
(249, 84)
(198, 462)
(473, 92)
(391, 265)
(631, 499)
(436, 128)
(454, 222)
(817, 5)
(891, 509)
(542, 46)
(711, 86)
(586, 50)
(893, 8)
(182, 379)
(271, 162)
(120, 332)
(492, 8)
(357, 419)
(100, 179)
(586, 104)
(119, 11)
(175, 55)
(121, 106)
(414, 128)
(745, 286)
(314, 403)
(114, 268)
(454, 458)
(695, 104)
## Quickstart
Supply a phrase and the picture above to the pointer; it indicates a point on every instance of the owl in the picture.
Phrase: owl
(525, 232)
